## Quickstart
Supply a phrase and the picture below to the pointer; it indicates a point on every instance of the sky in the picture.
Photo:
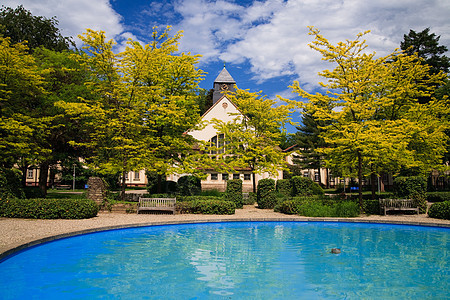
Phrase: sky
(263, 43)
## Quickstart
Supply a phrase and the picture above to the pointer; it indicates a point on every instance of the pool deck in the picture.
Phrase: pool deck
(18, 234)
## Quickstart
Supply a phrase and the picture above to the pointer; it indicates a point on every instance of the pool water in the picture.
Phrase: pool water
(236, 260)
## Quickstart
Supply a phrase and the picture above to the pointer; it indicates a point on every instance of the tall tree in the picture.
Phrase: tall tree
(426, 46)
(375, 122)
(251, 140)
(145, 103)
(308, 141)
(36, 31)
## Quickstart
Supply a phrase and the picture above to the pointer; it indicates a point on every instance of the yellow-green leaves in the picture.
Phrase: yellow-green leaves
(372, 110)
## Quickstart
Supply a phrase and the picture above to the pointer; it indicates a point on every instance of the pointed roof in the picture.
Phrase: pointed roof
(224, 77)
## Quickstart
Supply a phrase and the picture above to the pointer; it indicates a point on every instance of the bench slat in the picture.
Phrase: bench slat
(164, 204)
(398, 204)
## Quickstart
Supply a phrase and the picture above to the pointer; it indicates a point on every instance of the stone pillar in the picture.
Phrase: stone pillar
(96, 189)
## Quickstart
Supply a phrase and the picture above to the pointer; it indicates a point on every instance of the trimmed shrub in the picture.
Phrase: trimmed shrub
(406, 186)
(266, 196)
(284, 187)
(234, 192)
(440, 210)
(10, 186)
(370, 207)
(438, 196)
(196, 198)
(304, 186)
(312, 207)
(207, 207)
(189, 185)
(420, 200)
(251, 199)
(48, 208)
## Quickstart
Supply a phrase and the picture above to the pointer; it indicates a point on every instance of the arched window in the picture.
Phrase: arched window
(217, 144)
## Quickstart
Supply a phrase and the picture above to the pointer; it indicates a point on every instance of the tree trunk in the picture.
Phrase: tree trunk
(373, 182)
(159, 183)
(122, 193)
(43, 175)
(320, 177)
(360, 181)
(254, 182)
(24, 169)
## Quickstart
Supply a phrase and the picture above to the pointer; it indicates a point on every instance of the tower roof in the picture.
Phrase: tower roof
(224, 77)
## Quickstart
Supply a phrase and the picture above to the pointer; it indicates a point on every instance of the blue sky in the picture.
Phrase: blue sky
(264, 43)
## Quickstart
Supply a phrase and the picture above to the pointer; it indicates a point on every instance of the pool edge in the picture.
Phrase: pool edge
(15, 250)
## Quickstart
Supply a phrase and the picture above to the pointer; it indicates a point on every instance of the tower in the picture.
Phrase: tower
(223, 83)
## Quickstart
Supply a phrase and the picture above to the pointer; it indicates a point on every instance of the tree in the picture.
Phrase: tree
(374, 120)
(144, 104)
(426, 46)
(308, 141)
(251, 140)
(36, 31)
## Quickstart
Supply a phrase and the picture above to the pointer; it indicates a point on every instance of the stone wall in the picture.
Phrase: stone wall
(96, 189)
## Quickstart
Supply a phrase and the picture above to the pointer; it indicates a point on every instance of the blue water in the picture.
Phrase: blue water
(242, 260)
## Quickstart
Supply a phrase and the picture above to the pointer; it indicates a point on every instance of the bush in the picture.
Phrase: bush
(284, 186)
(234, 192)
(406, 186)
(266, 196)
(251, 199)
(48, 208)
(438, 196)
(440, 210)
(370, 207)
(196, 198)
(10, 186)
(207, 207)
(189, 185)
(312, 207)
(304, 186)
(420, 200)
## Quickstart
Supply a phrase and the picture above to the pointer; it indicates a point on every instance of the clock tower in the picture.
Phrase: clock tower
(223, 83)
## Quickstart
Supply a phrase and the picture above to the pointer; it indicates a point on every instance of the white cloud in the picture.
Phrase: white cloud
(273, 36)
(75, 16)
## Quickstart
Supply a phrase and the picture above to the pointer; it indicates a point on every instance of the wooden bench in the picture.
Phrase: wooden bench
(398, 204)
(157, 204)
(63, 187)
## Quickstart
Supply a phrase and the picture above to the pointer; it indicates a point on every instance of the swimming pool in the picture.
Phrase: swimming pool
(236, 260)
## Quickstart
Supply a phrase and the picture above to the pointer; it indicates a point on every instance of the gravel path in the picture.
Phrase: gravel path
(16, 234)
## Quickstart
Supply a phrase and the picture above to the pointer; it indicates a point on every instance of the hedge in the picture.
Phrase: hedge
(405, 186)
(189, 185)
(207, 207)
(266, 196)
(309, 208)
(440, 210)
(233, 192)
(284, 186)
(304, 186)
(438, 196)
(48, 208)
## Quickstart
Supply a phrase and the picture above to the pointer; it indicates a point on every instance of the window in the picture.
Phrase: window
(126, 176)
(214, 176)
(224, 176)
(316, 176)
(236, 176)
(30, 174)
(136, 175)
(305, 174)
(247, 176)
(217, 144)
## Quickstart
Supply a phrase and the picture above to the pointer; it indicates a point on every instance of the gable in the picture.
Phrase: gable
(223, 110)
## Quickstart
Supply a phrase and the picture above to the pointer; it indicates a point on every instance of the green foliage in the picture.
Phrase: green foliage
(313, 208)
(284, 187)
(10, 186)
(189, 185)
(371, 207)
(440, 210)
(207, 207)
(48, 208)
(420, 200)
(197, 197)
(234, 192)
(251, 199)
(438, 196)
(406, 186)
(214, 193)
(304, 186)
(266, 195)
(20, 25)
(33, 192)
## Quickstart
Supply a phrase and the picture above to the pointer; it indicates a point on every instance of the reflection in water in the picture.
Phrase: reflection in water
(257, 260)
